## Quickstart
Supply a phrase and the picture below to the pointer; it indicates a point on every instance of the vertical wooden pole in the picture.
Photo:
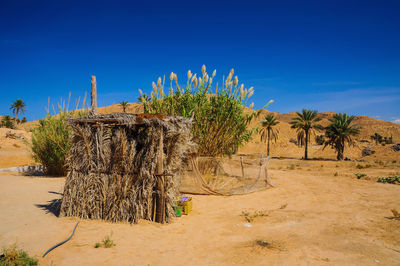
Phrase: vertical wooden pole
(241, 165)
(160, 198)
(94, 96)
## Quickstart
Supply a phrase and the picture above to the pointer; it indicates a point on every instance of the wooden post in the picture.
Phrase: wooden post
(93, 96)
(160, 196)
(241, 165)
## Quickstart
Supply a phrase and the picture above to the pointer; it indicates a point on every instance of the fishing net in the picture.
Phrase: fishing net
(225, 176)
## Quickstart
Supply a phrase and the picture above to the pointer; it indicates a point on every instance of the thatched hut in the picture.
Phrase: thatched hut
(125, 167)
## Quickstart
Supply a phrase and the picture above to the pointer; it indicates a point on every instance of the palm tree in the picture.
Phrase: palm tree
(306, 123)
(17, 107)
(124, 105)
(339, 132)
(267, 131)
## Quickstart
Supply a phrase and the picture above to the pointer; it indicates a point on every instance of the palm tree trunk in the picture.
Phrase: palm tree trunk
(340, 151)
(268, 141)
(306, 147)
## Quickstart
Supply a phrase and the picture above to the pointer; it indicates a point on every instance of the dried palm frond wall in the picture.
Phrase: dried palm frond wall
(113, 162)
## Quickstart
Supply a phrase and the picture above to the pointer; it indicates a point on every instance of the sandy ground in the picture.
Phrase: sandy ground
(312, 217)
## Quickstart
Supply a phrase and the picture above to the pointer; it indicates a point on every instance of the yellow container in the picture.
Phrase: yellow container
(186, 204)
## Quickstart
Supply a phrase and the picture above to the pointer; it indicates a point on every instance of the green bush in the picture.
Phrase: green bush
(220, 123)
(13, 257)
(7, 122)
(51, 140)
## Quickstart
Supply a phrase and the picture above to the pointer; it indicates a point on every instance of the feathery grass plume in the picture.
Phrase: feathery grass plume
(250, 93)
(140, 91)
(235, 81)
(206, 78)
(203, 69)
(214, 73)
(158, 82)
(251, 105)
(220, 126)
(154, 86)
(171, 77)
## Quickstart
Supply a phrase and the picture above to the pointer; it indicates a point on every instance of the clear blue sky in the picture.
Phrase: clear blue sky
(340, 56)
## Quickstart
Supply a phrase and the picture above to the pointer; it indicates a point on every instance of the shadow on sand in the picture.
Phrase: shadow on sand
(52, 206)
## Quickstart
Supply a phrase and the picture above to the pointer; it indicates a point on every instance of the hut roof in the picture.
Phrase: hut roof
(127, 119)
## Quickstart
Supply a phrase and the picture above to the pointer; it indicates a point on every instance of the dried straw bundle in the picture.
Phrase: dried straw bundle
(112, 163)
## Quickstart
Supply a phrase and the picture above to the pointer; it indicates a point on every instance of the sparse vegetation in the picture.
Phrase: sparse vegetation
(339, 132)
(220, 125)
(378, 138)
(107, 242)
(16, 257)
(306, 123)
(268, 131)
(291, 167)
(249, 217)
(360, 166)
(8, 122)
(360, 175)
(389, 179)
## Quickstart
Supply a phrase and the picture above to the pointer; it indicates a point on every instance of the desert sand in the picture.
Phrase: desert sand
(312, 216)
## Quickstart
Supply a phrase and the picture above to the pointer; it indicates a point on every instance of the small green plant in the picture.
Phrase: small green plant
(13, 257)
(107, 242)
(291, 167)
(360, 166)
(389, 179)
(360, 175)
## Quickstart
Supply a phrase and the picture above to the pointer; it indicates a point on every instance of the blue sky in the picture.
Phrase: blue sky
(340, 56)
